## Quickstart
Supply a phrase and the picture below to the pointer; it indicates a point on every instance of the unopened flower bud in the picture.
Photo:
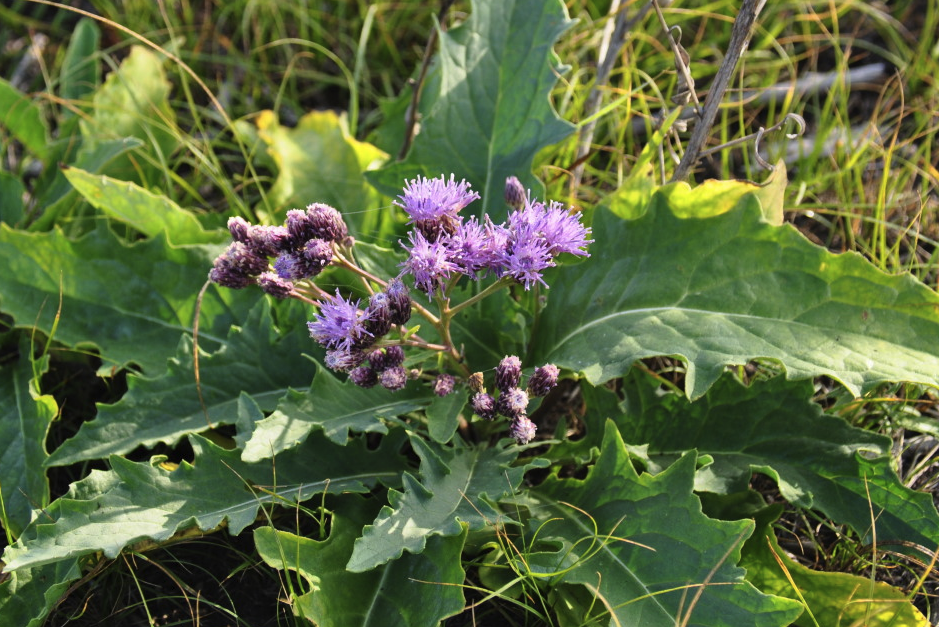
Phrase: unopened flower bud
(269, 241)
(512, 403)
(238, 227)
(443, 385)
(299, 227)
(318, 252)
(484, 406)
(274, 285)
(543, 379)
(388, 357)
(379, 315)
(327, 222)
(523, 430)
(393, 378)
(476, 382)
(514, 192)
(508, 373)
(399, 301)
(237, 267)
(363, 377)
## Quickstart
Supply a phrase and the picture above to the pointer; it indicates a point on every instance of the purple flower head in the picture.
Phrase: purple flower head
(378, 313)
(484, 406)
(393, 378)
(326, 222)
(523, 430)
(563, 232)
(428, 263)
(443, 385)
(508, 373)
(543, 379)
(363, 377)
(471, 247)
(514, 192)
(238, 227)
(433, 204)
(399, 300)
(527, 258)
(512, 403)
(269, 241)
(274, 285)
(237, 267)
(340, 324)
(344, 360)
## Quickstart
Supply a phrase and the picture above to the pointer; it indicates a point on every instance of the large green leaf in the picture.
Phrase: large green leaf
(25, 417)
(458, 485)
(318, 161)
(641, 544)
(29, 594)
(334, 407)
(23, 119)
(147, 212)
(411, 591)
(773, 427)
(729, 288)
(81, 67)
(488, 114)
(131, 301)
(133, 502)
(165, 409)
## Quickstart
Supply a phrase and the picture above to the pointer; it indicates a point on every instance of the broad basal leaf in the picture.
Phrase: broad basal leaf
(23, 119)
(490, 112)
(25, 417)
(28, 595)
(143, 501)
(145, 211)
(773, 427)
(641, 544)
(730, 288)
(256, 360)
(334, 407)
(131, 301)
(456, 485)
(412, 591)
(318, 161)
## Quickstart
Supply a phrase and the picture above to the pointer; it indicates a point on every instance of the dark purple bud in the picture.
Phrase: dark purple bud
(269, 241)
(542, 380)
(476, 382)
(393, 378)
(363, 377)
(318, 252)
(512, 403)
(237, 266)
(514, 192)
(344, 360)
(523, 430)
(299, 226)
(379, 315)
(388, 357)
(230, 277)
(274, 285)
(484, 406)
(238, 227)
(399, 301)
(443, 385)
(326, 222)
(508, 373)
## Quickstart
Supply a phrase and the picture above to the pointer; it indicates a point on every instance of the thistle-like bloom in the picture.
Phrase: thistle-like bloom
(428, 263)
(344, 360)
(274, 285)
(393, 379)
(340, 325)
(433, 204)
(523, 430)
(512, 403)
(484, 406)
(543, 379)
(472, 248)
(508, 373)
(563, 232)
(443, 384)
(527, 258)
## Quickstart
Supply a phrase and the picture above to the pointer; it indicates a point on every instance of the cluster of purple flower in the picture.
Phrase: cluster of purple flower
(348, 332)
(302, 247)
(512, 401)
(443, 244)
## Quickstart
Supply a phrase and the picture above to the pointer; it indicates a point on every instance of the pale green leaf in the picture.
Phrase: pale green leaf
(29, 594)
(81, 68)
(11, 198)
(443, 415)
(489, 114)
(730, 288)
(23, 119)
(412, 591)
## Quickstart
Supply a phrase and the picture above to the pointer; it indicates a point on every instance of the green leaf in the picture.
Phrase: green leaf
(413, 591)
(25, 416)
(135, 502)
(318, 161)
(773, 427)
(334, 407)
(489, 114)
(11, 198)
(23, 119)
(80, 74)
(729, 288)
(29, 594)
(643, 546)
(145, 211)
(832, 598)
(457, 486)
(131, 301)
(166, 408)
(443, 415)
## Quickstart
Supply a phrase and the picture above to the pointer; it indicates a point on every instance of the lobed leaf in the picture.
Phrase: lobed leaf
(29, 594)
(488, 114)
(730, 288)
